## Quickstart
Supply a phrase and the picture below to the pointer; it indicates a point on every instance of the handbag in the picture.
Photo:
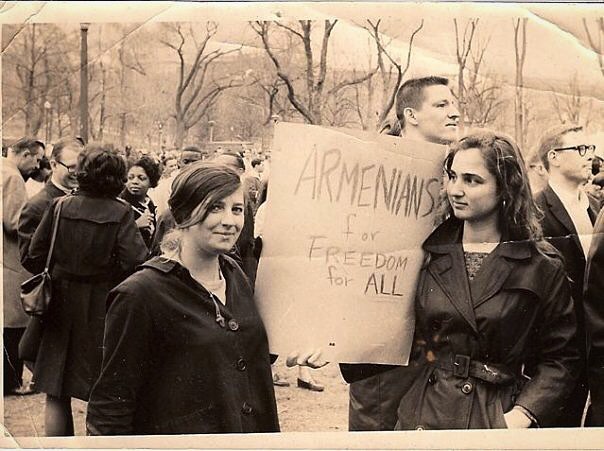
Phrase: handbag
(37, 290)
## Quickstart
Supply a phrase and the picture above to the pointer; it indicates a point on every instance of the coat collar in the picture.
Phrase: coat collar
(447, 266)
(448, 235)
(166, 265)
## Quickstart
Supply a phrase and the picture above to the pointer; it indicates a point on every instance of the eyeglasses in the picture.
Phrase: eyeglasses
(70, 169)
(582, 148)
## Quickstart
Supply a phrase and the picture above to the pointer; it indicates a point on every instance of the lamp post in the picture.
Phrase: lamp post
(47, 113)
(211, 125)
(84, 81)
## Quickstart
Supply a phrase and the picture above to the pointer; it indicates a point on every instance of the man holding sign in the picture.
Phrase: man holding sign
(356, 207)
(426, 110)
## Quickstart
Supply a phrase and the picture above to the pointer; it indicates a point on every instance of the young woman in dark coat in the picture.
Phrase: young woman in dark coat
(185, 348)
(143, 174)
(491, 300)
(97, 246)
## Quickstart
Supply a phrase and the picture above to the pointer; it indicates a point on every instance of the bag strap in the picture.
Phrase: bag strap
(55, 228)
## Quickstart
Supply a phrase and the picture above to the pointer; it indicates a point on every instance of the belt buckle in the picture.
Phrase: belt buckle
(461, 366)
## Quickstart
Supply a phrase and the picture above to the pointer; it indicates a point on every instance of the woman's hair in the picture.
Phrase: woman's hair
(194, 191)
(518, 213)
(101, 170)
(150, 167)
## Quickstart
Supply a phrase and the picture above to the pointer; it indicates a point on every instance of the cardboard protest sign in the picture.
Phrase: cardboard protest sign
(346, 216)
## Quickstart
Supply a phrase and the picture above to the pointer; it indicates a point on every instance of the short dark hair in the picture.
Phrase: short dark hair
(101, 170)
(256, 162)
(411, 94)
(236, 160)
(551, 139)
(27, 144)
(192, 149)
(150, 167)
(57, 149)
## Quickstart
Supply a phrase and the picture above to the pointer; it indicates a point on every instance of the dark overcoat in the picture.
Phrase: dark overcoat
(170, 367)
(473, 338)
(32, 214)
(559, 230)
(97, 246)
(594, 319)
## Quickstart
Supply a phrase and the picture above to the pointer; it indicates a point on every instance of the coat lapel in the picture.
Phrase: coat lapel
(489, 282)
(449, 271)
(559, 212)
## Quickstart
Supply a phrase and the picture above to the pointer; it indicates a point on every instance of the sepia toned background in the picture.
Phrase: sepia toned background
(167, 74)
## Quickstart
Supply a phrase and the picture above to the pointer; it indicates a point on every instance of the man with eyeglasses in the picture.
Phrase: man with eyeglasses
(63, 162)
(569, 214)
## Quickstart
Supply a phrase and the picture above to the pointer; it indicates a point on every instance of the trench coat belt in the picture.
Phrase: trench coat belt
(463, 366)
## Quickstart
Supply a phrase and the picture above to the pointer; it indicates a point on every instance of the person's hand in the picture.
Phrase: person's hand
(517, 419)
(144, 221)
(311, 358)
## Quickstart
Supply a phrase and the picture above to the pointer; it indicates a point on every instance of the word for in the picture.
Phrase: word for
(327, 176)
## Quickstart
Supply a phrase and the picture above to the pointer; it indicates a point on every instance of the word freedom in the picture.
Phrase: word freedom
(337, 255)
(328, 176)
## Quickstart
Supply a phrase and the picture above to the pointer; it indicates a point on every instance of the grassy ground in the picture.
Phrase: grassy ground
(299, 410)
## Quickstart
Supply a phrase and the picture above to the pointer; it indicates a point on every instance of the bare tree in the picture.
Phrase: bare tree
(596, 41)
(199, 82)
(482, 94)
(463, 47)
(520, 54)
(392, 71)
(572, 108)
(37, 69)
(308, 99)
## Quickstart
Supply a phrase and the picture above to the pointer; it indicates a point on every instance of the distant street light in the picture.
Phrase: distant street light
(47, 116)
(160, 128)
(211, 125)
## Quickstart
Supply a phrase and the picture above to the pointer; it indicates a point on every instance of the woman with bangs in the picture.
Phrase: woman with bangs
(185, 348)
(492, 304)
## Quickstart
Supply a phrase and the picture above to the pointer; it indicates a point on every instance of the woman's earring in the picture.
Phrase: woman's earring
(503, 203)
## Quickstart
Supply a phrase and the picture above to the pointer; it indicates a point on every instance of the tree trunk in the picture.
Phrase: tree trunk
(181, 133)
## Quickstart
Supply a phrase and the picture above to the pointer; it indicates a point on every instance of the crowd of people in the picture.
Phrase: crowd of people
(153, 321)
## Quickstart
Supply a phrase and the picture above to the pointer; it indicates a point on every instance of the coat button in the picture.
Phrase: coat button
(233, 325)
(467, 388)
(432, 379)
(246, 408)
(241, 364)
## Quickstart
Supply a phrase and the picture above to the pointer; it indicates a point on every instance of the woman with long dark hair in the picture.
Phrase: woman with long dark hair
(492, 304)
(97, 246)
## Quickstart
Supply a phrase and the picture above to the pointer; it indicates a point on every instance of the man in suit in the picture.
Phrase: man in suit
(63, 162)
(568, 217)
(22, 158)
(426, 111)
(593, 301)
